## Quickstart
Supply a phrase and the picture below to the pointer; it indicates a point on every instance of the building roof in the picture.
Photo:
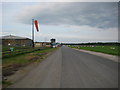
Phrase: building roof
(12, 37)
(42, 42)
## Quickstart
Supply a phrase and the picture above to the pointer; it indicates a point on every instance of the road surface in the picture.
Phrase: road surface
(69, 68)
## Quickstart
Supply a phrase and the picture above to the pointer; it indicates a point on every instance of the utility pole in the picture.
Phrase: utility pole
(33, 33)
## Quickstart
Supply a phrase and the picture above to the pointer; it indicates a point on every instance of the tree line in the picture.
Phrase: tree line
(96, 43)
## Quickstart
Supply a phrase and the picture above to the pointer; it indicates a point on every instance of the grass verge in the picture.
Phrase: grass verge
(113, 50)
(12, 64)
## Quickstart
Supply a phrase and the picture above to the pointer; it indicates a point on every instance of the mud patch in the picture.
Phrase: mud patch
(9, 70)
(32, 58)
(41, 54)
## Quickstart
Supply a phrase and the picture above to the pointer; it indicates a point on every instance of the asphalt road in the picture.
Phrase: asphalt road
(69, 68)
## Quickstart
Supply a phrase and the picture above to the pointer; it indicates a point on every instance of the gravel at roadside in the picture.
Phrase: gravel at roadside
(110, 57)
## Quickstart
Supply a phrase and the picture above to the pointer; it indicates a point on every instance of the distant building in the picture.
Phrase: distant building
(53, 40)
(42, 44)
(11, 40)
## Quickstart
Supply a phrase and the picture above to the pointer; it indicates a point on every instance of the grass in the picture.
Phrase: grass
(6, 83)
(24, 58)
(15, 60)
(113, 50)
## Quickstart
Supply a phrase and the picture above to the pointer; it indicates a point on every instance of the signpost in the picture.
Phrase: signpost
(11, 49)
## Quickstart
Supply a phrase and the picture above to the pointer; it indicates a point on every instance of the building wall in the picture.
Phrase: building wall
(42, 44)
(38, 45)
(48, 44)
(17, 42)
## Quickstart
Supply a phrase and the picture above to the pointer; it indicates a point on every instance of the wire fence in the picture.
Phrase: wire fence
(8, 53)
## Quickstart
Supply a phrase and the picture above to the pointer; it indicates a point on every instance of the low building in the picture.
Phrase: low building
(42, 44)
(11, 40)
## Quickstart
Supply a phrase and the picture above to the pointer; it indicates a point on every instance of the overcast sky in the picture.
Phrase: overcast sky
(65, 21)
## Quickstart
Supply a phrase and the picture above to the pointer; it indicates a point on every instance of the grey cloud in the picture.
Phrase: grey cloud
(94, 14)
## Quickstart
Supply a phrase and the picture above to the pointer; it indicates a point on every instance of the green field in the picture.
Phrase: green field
(114, 50)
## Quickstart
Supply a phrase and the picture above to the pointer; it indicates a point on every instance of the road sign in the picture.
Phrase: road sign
(11, 49)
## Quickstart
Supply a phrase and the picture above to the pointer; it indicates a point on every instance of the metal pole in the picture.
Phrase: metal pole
(33, 32)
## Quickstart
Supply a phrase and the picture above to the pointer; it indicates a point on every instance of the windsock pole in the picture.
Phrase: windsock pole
(33, 33)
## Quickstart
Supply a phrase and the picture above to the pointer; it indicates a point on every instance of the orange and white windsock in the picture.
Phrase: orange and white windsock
(36, 25)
